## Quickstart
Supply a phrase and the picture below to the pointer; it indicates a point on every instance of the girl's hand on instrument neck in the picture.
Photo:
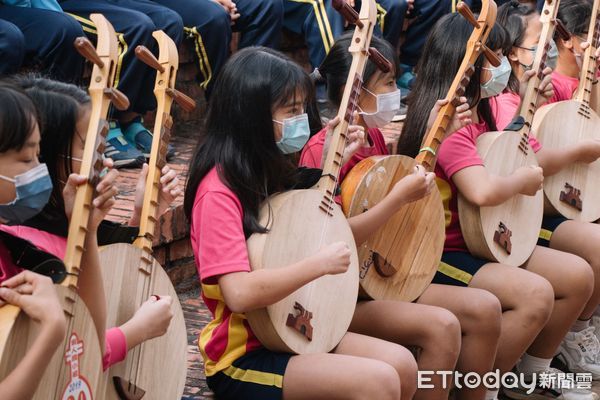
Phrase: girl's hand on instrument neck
(460, 119)
(104, 197)
(36, 296)
(413, 187)
(588, 150)
(531, 179)
(334, 258)
(169, 187)
(546, 90)
(355, 140)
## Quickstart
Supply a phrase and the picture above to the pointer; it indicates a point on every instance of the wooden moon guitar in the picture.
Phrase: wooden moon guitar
(132, 275)
(573, 191)
(508, 233)
(400, 259)
(75, 371)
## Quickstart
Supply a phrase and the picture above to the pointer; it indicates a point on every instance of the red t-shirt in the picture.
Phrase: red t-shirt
(459, 151)
(313, 151)
(219, 247)
(115, 343)
(564, 87)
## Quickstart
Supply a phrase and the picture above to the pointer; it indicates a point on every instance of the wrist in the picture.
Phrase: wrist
(54, 328)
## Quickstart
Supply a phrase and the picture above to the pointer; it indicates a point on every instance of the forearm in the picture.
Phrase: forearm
(264, 287)
(496, 191)
(366, 224)
(23, 381)
(553, 160)
(91, 287)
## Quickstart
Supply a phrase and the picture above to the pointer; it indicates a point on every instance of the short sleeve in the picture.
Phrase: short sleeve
(218, 236)
(504, 108)
(115, 345)
(457, 152)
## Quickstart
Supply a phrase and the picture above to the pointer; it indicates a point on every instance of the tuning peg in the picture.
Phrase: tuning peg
(119, 100)
(88, 51)
(382, 63)
(347, 12)
(146, 56)
(466, 12)
(491, 56)
(184, 101)
(562, 30)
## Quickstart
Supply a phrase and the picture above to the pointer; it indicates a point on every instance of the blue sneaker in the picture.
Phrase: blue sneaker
(122, 153)
(136, 132)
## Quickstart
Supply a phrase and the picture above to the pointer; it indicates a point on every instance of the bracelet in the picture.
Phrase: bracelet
(428, 149)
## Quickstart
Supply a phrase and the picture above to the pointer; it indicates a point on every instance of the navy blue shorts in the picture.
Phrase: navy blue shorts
(257, 375)
(549, 225)
(457, 268)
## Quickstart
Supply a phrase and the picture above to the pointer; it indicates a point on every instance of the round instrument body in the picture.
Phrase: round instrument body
(163, 363)
(75, 370)
(400, 259)
(521, 215)
(573, 191)
(299, 229)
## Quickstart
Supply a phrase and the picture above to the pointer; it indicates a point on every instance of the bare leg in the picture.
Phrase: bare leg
(572, 280)
(480, 316)
(434, 330)
(582, 239)
(526, 300)
(346, 374)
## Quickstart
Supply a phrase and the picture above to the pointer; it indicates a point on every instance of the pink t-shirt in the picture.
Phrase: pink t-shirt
(564, 87)
(219, 247)
(115, 342)
(459, 151)
(313, 151)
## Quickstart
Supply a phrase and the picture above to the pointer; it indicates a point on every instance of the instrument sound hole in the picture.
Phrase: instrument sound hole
(383, 267)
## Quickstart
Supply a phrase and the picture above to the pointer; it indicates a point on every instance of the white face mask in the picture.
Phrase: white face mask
(388, 105)
(498, 81)
(295, 133)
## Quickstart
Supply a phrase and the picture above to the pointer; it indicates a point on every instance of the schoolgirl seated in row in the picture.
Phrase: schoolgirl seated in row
(541, 300)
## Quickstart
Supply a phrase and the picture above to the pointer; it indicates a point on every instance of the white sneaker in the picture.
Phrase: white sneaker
(580, 352)
(595, 322)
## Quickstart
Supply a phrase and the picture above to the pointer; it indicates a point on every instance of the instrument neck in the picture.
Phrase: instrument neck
(334, 160)
(588, 68)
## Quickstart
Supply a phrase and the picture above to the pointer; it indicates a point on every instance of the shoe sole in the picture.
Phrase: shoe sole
(565, 358)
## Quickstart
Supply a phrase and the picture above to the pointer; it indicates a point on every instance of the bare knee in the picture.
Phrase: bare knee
(537, 303)
(443, 337)
(379, 381)
(578, 277)
(483, 316)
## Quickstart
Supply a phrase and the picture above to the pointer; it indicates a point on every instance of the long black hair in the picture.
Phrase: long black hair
(59, 107)
(513, 17)
(575, 15)
(442, 56)
(240, 139)
(18, 117)
(336, 66)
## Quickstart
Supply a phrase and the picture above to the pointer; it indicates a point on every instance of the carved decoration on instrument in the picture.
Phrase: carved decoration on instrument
(502, 237)
(572, 196)
(301, 321)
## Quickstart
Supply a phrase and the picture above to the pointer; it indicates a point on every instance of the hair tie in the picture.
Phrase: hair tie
(316, 76)
(428, 149)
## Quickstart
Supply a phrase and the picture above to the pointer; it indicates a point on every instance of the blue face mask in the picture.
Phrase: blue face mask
(294, 133)
(33, 190)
